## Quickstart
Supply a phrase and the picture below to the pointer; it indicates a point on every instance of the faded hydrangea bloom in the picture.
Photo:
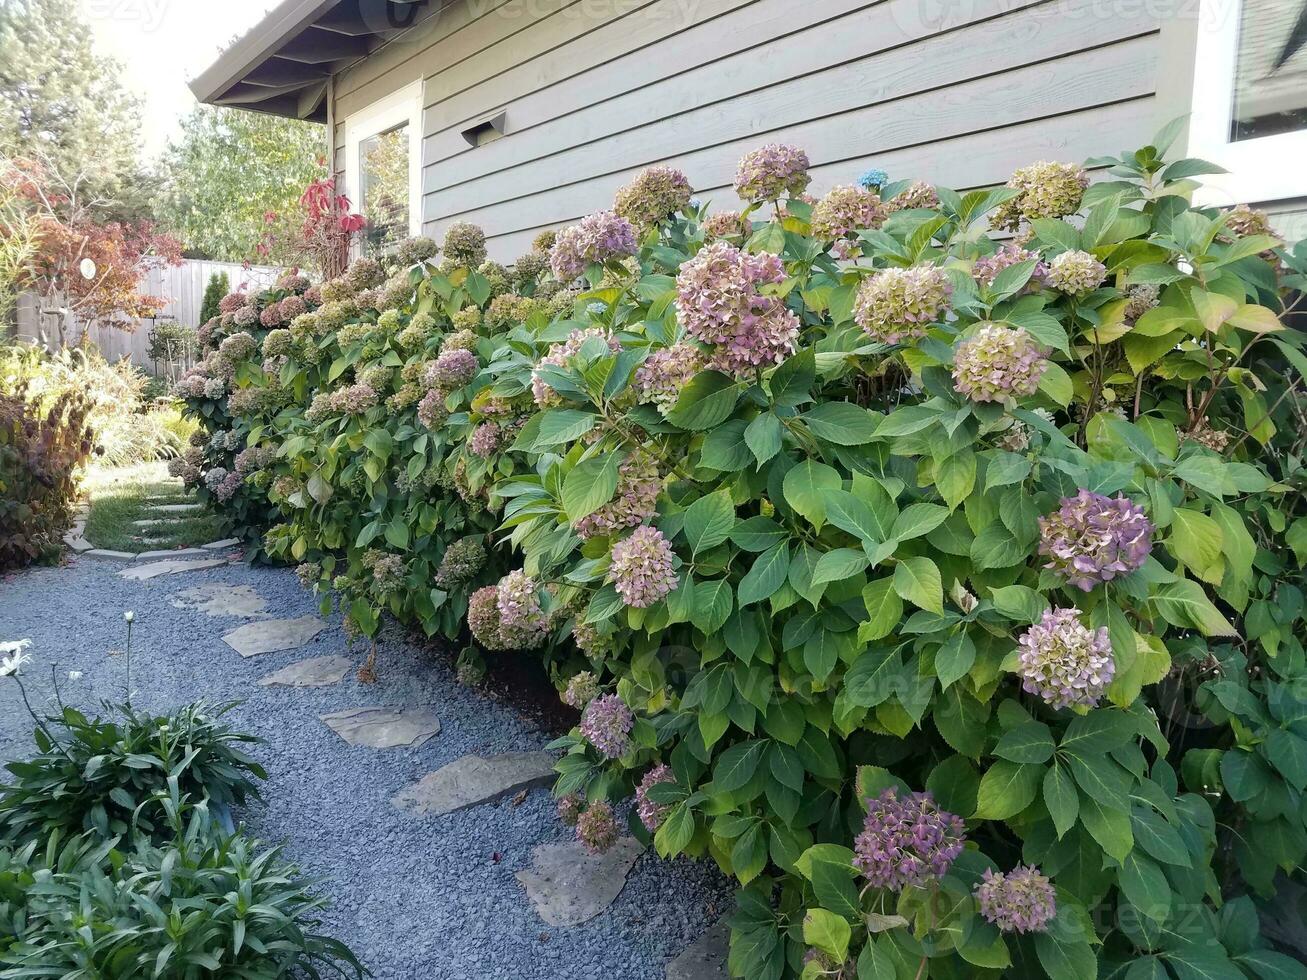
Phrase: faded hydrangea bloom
(1076, 273)
(1215, 440)
(277, 343)
(581, 690)
(606, 724)
(718, 293)
(560, 355)
(600, 238)
(544, 242)
(432, 411)
(845, 211)
(986, 269)
(1048, 190)
(1139, 300)
(641, 568)
(897, 305)
(596, 828)
(727, 224)
(1091, 538)
(906, 841)
(656, 194)
(1245, 221)
(772, 172)
(485, 440)
(452, 369)
(459, 340)
(465, 244)
(461, 562)
(590, 641)
(1023, 900)
(917, 195)
(354, 399)
(652, 814)
(522, 623)
(998, 364)
(411, 251)
(1065, 662)
(666, 372)
(569, 809)
(364, 273)
(483, 618)
(635, 501)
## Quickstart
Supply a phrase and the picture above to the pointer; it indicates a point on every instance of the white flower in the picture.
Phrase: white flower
(74, 675)
(13, 663)
(129, 616)
(14, 646)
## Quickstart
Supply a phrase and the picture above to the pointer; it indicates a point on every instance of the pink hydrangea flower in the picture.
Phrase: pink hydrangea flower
(1091, 539)
(1023, 900)
(638, 486)
(652, 814)
(606, 724)
(771, 172)
(897, 305)
(641, 568)
(906, 841)
(601, 237)
(721, 304)
(998, 364)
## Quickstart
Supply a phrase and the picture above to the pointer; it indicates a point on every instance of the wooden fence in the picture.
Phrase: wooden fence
(182, 287)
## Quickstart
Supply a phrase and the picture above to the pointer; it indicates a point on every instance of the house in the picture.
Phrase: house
(522, 115)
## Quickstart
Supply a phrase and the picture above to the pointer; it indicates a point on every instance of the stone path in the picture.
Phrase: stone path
(273, 635)
(553, 880)
(385, 728)
(569, 886)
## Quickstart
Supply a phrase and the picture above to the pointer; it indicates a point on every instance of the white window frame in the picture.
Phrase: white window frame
(1268, 168)
(404, 106)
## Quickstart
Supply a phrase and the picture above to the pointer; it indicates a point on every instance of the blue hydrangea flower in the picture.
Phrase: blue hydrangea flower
(874, 179)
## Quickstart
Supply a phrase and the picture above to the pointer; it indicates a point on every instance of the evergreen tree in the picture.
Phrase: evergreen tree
(62, 106)
(219, 286)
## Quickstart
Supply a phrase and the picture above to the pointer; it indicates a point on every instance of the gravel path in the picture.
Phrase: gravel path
(418, 898)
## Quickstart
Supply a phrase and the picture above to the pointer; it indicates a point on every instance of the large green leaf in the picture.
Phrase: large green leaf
(590, 485)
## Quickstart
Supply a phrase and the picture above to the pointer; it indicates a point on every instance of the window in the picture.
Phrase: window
(383, 168)
(1250, 98)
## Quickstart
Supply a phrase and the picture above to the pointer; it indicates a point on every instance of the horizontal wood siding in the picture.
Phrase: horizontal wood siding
(593, 92)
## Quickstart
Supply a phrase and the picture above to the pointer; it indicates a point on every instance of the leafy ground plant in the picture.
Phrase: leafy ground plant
(930, 561)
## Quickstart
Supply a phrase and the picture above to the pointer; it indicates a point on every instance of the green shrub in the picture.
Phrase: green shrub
(95, 774)
(219, 285)
(201, 903)
(42, 455)
(818, 511)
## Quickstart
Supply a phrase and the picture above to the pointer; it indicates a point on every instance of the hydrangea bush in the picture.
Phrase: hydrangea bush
(943, 589)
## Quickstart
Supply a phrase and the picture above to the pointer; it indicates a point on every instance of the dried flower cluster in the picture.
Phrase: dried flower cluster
(654, 195)
(998, 364)
(1048, 190)
(897, 305)
(1065, 662)
(845, 211)
(772, 172)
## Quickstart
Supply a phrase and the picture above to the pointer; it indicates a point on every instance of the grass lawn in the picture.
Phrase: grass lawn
(121, 496)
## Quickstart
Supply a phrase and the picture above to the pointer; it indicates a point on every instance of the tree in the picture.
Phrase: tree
(85, 266)
(218, 287)
(61, 103)
(231, 184)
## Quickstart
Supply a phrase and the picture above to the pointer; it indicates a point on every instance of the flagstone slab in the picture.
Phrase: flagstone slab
(173, 553)
(172, 566)
(385, 728)
(156, 522)
(177, 508)
(705, 959)
(569, 886)
(219, 599)
(110, 555)
(473, 780)
(318, 672)
(272, 635)
(221, 545)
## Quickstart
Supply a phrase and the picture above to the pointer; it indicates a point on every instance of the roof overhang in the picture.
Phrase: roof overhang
(282, 65)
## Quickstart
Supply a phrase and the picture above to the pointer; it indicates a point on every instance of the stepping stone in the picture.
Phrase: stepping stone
(472, 780)
(175, 553)
(159, 522)
(217, 599)
(568, 885)
(221, 545)
(706, 958)
(110, 555)
(171, 567)
(318, 672)
(78, 543)
(273, 635)
(385, 728)
(177, 508)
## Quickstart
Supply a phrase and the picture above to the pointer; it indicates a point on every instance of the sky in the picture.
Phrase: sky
(163, 43)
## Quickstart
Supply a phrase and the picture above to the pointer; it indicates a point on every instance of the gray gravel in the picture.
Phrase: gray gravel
(415, 897)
